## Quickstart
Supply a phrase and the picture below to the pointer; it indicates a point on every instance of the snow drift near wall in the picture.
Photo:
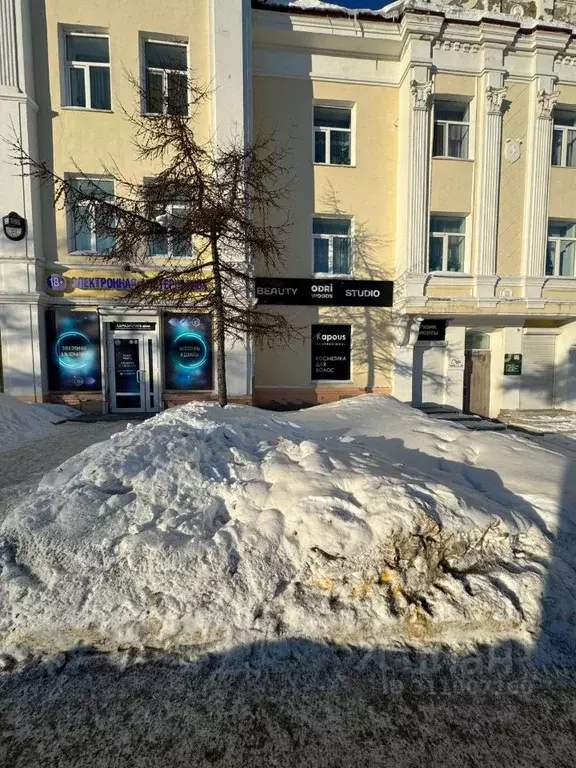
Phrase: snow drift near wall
(361, 521)
(20, 422)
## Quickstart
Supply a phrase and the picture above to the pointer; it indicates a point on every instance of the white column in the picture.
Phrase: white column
(405, 333)
(543, 98)
(488, 168)
(418, 176)
(21, 262)
(231, 50)
(454, 366)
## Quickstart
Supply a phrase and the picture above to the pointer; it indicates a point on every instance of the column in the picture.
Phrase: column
(488, 189)
(418, 175)
(543, 98)
(231, 50)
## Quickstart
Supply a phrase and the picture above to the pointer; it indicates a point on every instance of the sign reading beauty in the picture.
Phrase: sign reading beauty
(334, 293)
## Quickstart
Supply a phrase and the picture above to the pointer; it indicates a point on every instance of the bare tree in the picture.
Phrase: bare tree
(195, 230)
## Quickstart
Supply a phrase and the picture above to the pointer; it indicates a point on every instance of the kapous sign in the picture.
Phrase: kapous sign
(331, 352)
(334, 293)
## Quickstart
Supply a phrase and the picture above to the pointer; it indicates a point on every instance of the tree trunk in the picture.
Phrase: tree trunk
(220, 334)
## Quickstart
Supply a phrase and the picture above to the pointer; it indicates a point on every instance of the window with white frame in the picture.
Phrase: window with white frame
(451, 130)
(166, 67)
(173, 242)
(88, 71)
(332, 245)
(447, 244)
(333, 135)
(90, 222)
(561, 250)
(564, 139)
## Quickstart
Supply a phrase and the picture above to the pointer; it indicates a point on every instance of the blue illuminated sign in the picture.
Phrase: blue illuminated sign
(188, 352)
(73, 351)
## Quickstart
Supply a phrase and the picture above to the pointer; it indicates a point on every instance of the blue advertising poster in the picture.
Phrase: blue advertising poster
(188, 352)
(73, 351)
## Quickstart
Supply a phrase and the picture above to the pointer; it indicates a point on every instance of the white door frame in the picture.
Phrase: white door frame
(147, 373)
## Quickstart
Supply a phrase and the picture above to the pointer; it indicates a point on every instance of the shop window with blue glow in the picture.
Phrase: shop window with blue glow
(332, 246)
(447, 241)
(91, 220)
(333, 135)
(88, 71)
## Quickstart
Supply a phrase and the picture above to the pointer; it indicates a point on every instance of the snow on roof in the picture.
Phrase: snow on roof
(396, 9)
(212, 527)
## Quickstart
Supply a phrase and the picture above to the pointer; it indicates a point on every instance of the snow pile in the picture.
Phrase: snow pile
(361, 521)
(20, 422)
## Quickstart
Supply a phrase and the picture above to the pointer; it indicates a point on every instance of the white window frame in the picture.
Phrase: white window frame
(557, 245)
(169, 210)
(163, 72)
(331, 239)
(327, 131)
(85, 65)
(447, 124)
(71, 224)
(563, 129)
(445, 237)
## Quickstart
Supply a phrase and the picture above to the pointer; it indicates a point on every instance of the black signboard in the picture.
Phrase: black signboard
(133, 326)
(332, 293)
(331, 352)
(432, 330)
(512, 365)
(14, 226)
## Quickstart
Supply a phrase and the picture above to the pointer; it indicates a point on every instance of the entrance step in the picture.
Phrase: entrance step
(455, 416)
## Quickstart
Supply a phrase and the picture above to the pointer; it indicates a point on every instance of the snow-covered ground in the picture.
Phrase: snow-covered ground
(360, 522)
(21, 422)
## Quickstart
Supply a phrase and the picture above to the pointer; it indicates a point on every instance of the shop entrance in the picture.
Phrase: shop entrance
(133, 367)
(477, 374)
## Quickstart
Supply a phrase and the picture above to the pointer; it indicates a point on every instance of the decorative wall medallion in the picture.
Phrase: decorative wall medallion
(512, 150)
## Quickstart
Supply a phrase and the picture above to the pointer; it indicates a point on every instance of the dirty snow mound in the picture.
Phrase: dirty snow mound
(361, 521)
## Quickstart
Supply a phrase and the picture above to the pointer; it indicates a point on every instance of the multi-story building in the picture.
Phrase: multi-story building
(432, 146)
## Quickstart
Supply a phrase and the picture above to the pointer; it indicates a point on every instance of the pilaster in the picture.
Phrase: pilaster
(421, 89)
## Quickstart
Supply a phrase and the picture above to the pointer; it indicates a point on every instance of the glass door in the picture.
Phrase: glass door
(132, 371)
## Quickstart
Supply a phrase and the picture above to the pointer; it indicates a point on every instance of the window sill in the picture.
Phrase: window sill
(331, 276)
(161, 114)
(449, 157)
(564, 167)
(442, 273)
(88, 109)
(335, 165)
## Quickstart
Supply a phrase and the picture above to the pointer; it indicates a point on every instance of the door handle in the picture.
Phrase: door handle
(139, 375)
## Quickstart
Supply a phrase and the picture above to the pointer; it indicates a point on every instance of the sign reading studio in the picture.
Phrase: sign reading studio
(331, 353)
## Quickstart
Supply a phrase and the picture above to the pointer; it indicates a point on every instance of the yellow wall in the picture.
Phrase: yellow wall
(367, 192)
(510, 223)
(452, 182)
(91, 140)
(562, 203)
(446, 84)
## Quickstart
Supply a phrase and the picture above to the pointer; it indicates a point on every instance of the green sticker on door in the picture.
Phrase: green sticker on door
(512, 365)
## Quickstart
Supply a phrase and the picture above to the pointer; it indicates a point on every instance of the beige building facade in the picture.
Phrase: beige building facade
(432, 148)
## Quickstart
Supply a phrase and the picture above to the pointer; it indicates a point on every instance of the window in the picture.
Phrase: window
(88, 71)
(451, 130)
(332, 246)
(172, 244)
(90, 223)
(564, 140)
(166, 78)
(446, 244)
(561, 248)
(333, 135)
